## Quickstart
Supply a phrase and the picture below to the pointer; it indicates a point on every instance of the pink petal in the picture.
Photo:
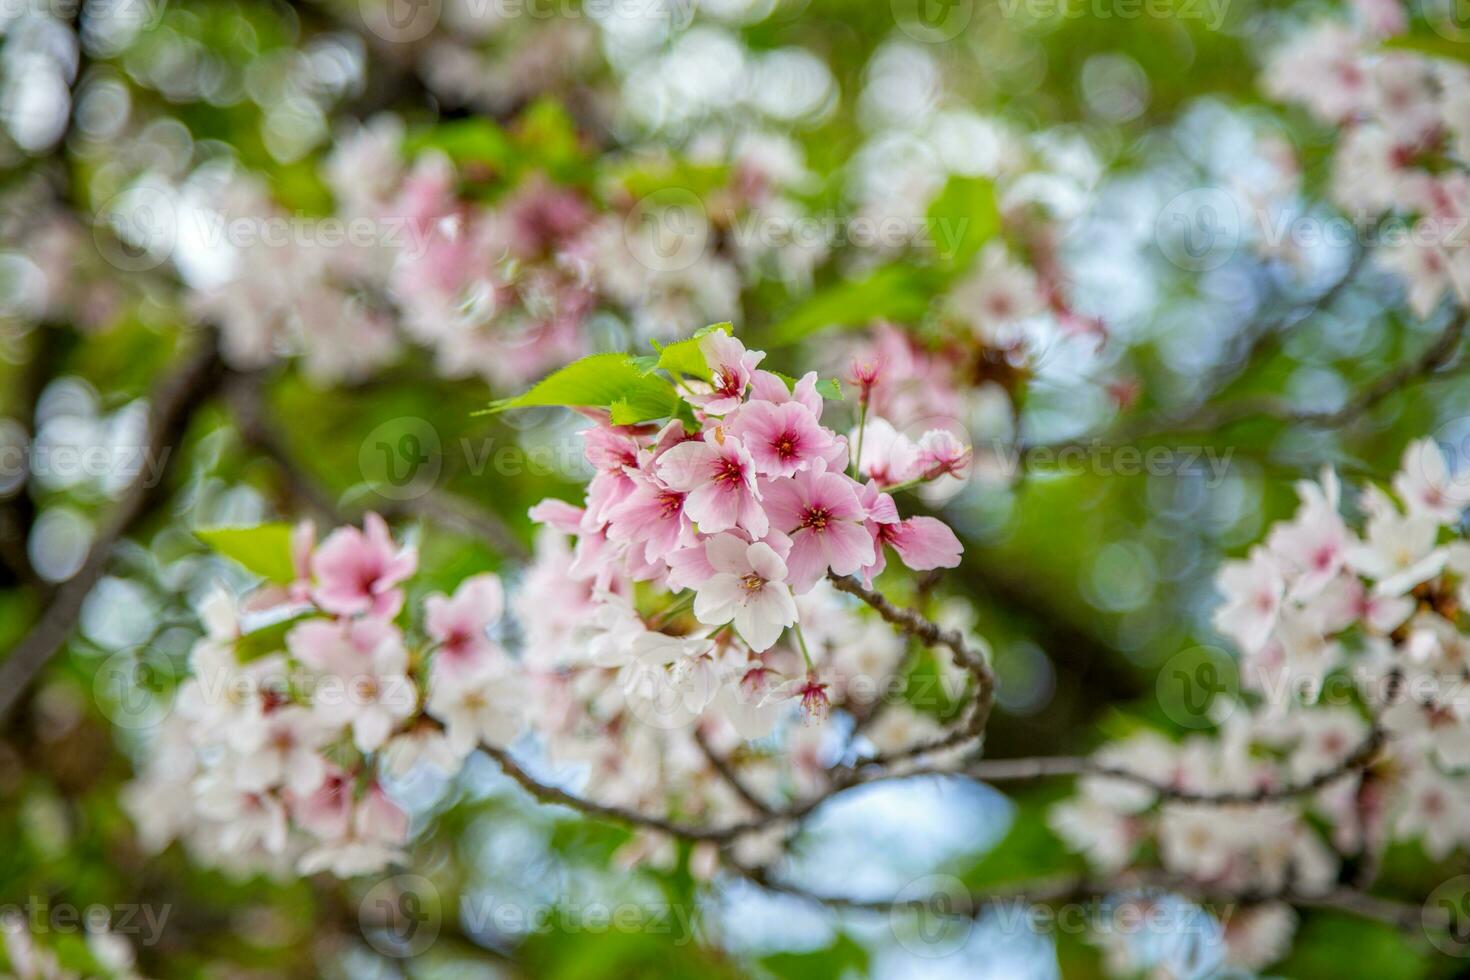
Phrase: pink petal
(924, 543)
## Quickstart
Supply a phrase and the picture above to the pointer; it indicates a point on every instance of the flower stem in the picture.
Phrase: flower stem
(805, 653)
(857, 462)
(683, 601)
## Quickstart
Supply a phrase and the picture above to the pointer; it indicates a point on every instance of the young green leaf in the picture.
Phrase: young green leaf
(685, 357)
(264, 549)
(893, 292)
(828, 388)
(963, 218)
(613, 381)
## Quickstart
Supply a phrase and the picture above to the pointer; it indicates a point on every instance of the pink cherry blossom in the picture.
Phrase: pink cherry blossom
(888, 456)
(1427, 487)
(653, 517)
(768, 387)
(326, 811)
(357, 571)
(821, 513)
(287, 755)
(458, 624)
(612, 453)
(941, 453)
(922, 543)
(367, 689)
(1253, 591)
(810, 692)
(719, 476)
(564, 517)
(483, 705)
(372, 839)
(730, 367)
(1314, 544)
(783, 439)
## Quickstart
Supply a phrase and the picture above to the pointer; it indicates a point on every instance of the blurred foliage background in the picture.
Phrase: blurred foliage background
(1083, 583)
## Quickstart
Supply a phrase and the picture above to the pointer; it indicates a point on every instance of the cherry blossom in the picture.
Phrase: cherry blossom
(821, 514)
(731, 366)
(459, 623)
(719, 476)
(356, 571)
(784, 438)
(748, 588)
(1379, 612)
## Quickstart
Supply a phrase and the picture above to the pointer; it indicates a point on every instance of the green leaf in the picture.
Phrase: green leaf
(264, 641)
(614, 381)
(644, 406)
(892, 292)
(843, 958)
(963, 218)
(464, 141)
(702, 181)
(1432, 44)
(264, 549)
(685, 357)
(1340, 944)
(828, 388)
(547, 136)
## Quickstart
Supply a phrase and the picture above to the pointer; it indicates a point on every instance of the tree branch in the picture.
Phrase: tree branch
(546, 793)
(256, 429)
(1060, 889)
(931, 634)
(1017, 770)
(172, 406)
(730, 776)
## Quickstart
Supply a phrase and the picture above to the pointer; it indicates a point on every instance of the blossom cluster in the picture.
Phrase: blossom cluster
(1405, 144)
(300, 700)
(691, 583)
(501, 289)
(702, 544)
(746, 505)
(1342, 634)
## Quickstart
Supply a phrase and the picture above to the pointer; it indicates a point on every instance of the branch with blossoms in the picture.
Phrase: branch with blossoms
(323, 691)
(701, 639)
(302, 716)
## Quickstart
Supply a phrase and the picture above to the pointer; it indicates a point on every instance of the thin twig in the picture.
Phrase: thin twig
(256, 429)
(1043, 891)
(1015, 770)
(1435, 361)
(931, 634)
(547, 793)
(730, 776)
